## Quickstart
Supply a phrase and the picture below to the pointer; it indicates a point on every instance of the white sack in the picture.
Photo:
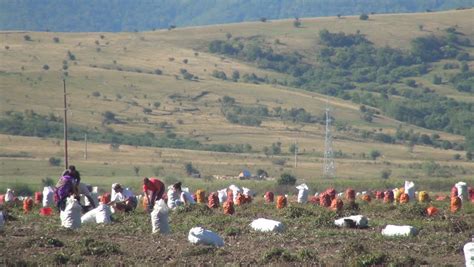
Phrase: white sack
(159, 217)
(410, 190)
(265, 225)
(399, 230)
(173, 198)
(199, 235)
(222, 195)
(302, 193)
(462, 190)
(71, 216)
(101, 214)
(48, 196)
(469, 254)
(356, 220)
(9, 196)
(248, 192)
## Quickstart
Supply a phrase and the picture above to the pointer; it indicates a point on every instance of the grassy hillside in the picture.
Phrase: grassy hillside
(117, 72)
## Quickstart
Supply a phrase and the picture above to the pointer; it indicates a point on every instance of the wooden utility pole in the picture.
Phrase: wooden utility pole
(65, 127)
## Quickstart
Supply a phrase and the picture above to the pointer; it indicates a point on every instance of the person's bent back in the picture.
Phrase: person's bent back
(153, 189)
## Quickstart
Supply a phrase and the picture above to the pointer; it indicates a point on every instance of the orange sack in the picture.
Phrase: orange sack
(350, 194)
(388, 197)
(470, 190)
(228, 207)
(27, 205)
(325, 200)
(247, 199)
(337, 204)
(367, 198)
(38, 198)
(454, 191)
(144, 202)
(314, 200)
(269, 197)
(200, 196)
(240, 199)
(331, 192)
(456, 204)
(230, 196)
(431, 211)
(404, 198)
(281, 202)
(213, 201)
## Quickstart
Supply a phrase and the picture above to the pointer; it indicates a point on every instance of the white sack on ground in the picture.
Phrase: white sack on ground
(399, 230)
(462, 190)
(353, 221)
(222, 195)
(199, 235)
(71, 216)
(159, 217)
(302, 193)
(265, 225)
(9, 195)
(48, 196)
(173, 198)
(469, 253)
(101, 214)
(248, 192)
(410, 190)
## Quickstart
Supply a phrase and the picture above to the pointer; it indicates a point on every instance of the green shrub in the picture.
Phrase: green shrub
(286, 179)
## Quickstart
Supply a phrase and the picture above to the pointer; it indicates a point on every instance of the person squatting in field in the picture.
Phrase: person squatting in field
(153, 189)
(70, 184)
(178, 197)
(123, 199)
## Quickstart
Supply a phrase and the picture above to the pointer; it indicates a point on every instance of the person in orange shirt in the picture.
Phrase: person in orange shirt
(153, 189)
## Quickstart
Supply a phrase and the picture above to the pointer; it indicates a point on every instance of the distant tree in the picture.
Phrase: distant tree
(136, 170)
(235, 75)
(464, 67)
(364, 17)
(96, 94)
(171, 27)
(410, 83)
(71, 56)
(276, 148)
(185, 61)
(385, 174)
(457, 157)
(292, 148)
(469, 155)
(262, 173)
(56, 39)
(54, 161)
(158, 72)
(286, 179)
(263, 19)
(27, 37)
(228, 36)
(437, 79)
(108, 117)
(45, 67)
(7, 47)
(339, 16)
(420, 27)
(463, 56)
(157, 104)
(147, 110)
(374, 154)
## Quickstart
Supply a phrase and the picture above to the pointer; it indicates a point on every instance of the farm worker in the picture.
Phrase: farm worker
(123, 200)
(153, 189)
(184, 197)
(64, 188)
(80, 188)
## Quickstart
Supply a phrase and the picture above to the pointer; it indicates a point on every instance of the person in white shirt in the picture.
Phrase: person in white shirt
(184, 196)
(123, 200)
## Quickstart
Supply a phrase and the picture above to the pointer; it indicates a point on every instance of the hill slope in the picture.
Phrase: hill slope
(162, 88)
(79, 16)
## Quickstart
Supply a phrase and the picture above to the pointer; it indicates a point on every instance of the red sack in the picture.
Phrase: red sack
(314, 200)
(379, 195)
(325, 200)
(105, 198)
(456, 204)
(38, 197)
(441, 198)
(269, 196)
(281, 202)
(404, 198)
(337, 204)
(247, 199)
(27, 205)
(431, 211)
(2, 199)
(331, 192)
(388, 197)
(46, 211)
(230, 196)
(350, 194)
(228, 207)
(213, 201)
(470, 191)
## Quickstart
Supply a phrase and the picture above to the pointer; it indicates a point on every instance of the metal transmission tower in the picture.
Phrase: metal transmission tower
(329, 169)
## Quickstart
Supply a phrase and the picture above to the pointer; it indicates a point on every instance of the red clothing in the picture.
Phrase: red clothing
(156, 186)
